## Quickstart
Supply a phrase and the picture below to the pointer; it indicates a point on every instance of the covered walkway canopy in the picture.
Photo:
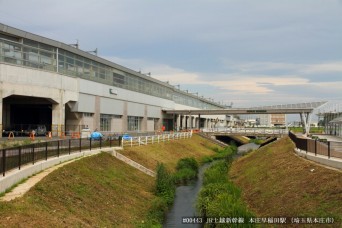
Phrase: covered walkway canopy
(304, 109)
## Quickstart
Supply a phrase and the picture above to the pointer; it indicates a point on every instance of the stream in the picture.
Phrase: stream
(185, 200)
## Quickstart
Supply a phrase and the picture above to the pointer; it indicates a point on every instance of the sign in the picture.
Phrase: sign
(256, 111)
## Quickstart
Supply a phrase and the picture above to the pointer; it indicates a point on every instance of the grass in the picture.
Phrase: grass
(276, 182)
(256, 141)
(90, 192)
(170, 152)
(312, 129)
(101, 191)
(187, 169)
(219, 197)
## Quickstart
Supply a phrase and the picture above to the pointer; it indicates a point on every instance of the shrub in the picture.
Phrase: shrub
(219, 197)
(207, 159)
(189, 163)
(157, 212)
(187, 169)
(216, 173)
(184, 175)
(165, 187)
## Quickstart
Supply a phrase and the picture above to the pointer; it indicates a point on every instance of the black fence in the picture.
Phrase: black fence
(16, 157)
(318, 147)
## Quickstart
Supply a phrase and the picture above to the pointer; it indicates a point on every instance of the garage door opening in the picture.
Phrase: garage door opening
(23, 114)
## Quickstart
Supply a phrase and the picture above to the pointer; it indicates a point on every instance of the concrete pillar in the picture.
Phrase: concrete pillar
(124, 117)
(97, 114)
(189, 122)
(144, 120)
(58, 119)
(178, 122)
(1, 117)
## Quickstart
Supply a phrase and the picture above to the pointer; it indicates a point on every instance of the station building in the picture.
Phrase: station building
(46, 82)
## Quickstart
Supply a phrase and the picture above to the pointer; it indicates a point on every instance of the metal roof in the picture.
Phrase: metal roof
(336, 120)
(275, 109)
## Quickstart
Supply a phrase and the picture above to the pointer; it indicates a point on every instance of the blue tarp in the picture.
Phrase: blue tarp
(96, 135)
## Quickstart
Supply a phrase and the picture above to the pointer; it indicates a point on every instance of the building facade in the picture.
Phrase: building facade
(54, 84)
(271, 120)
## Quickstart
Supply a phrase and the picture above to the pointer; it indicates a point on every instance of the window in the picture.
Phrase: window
(87, 114)
(134, 123)
(105, 122)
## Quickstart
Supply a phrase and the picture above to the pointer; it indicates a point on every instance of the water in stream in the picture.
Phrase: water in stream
(185, 200)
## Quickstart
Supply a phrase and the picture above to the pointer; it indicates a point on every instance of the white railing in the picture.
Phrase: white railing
(151, 139)
(254, 131)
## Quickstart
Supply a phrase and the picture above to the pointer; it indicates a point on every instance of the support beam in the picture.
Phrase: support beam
(306, 121)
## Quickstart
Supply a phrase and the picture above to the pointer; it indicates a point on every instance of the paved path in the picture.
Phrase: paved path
(22, 188)
(330, 138)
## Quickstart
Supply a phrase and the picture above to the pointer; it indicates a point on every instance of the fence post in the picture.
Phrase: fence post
(315, 147)
(90, 144)
(329, 149)
(33, 154)
(19, 158)
(80, 145)
(110, 142)
(100, 142)
(69, 146)
(58, 148)
(46, 150)
(3, 162)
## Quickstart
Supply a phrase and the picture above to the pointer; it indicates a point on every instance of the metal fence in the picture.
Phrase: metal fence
(16, 157)
(151, 139)
(326, 148)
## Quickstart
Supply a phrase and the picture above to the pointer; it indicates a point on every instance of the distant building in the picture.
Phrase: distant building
(271, 120)
(332, 122)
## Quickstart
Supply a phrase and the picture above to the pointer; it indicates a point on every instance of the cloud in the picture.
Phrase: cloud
(322, 68)
(257, 85)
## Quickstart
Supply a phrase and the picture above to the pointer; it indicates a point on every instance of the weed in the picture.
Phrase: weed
(219, 197)
(165, 187)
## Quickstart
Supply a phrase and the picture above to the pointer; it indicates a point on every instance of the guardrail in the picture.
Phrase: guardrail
(325, 148)
(248, 131)
(151, 139)
(16, 157)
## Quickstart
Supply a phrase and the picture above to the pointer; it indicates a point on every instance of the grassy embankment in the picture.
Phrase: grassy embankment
(276, 182)
(99, 191)
(313, 130)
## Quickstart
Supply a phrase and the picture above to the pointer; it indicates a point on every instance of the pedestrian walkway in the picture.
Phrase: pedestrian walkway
(331, 138)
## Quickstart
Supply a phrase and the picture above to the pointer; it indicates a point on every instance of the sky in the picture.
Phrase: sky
(241, 52)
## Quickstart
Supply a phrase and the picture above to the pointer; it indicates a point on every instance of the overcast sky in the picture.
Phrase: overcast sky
(249, 52)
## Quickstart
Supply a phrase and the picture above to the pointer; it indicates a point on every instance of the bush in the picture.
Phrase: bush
(216, 173)
(228, 151)
(219, 197)
(189, 163)
(184, 175)
(207, 159)
(156, 213)
(165, 187)
(187, 169)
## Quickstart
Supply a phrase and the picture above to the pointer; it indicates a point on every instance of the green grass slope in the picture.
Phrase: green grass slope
(98, 191)
(276, 182)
